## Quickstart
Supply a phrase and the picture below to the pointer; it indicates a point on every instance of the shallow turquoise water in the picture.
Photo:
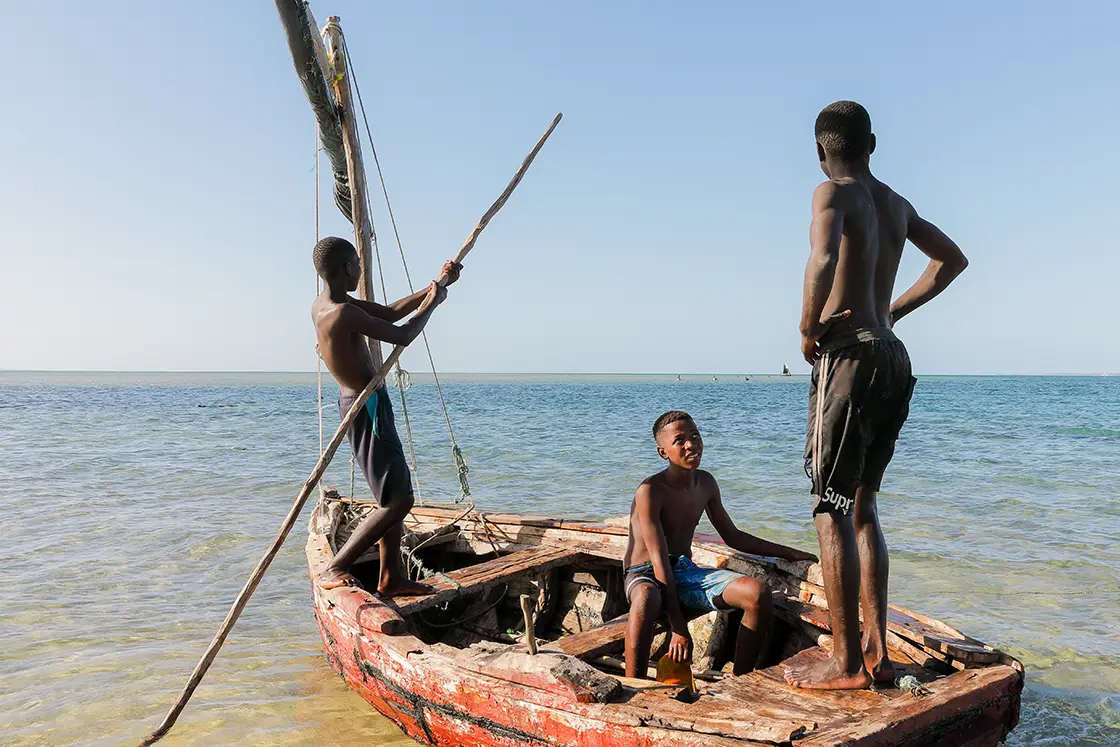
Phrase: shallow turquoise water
(136, 504)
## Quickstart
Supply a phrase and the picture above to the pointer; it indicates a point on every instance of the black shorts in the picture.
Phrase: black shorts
(377, 447)
(858, 401)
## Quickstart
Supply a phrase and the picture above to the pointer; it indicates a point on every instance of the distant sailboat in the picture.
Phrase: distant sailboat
(785, 369)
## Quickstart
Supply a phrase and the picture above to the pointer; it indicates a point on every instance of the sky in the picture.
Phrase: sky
(158, 189)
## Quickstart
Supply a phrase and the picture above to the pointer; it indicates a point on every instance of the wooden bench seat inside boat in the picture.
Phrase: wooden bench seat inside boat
(608, 637)
(477, 578)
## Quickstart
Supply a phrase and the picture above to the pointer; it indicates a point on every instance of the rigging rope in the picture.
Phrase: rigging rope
(461, 467)
(399, 376)
(318, 357)
(318, 290)
(399, 373)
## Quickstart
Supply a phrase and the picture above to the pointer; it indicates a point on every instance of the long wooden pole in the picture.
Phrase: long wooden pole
(321, 467)
(352, 145)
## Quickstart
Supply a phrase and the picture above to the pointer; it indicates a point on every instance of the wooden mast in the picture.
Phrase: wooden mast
(363, 222)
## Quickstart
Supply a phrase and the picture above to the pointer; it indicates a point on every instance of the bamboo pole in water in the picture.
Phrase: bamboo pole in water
(321, 467)
(352, 145)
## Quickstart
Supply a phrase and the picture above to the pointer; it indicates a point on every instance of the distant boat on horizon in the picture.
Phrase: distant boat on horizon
(785, 369)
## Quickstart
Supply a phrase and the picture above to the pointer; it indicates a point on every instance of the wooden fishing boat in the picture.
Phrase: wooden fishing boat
(454, 668)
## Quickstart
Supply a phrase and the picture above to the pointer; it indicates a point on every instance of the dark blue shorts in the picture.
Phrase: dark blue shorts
(377, 447)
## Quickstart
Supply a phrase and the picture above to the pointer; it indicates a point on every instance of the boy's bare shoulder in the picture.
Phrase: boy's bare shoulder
(706, 481)
(836, 193)
(649, 487)
(704, 477)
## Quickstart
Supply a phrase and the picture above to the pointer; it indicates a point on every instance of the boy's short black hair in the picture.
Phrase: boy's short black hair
(670, 417)
(844, 130)
(331, 254)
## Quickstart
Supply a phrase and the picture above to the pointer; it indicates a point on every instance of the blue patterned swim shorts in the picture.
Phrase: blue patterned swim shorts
(696, 587)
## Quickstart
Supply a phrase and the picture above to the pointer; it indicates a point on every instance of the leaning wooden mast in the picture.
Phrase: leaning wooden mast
(360, 215)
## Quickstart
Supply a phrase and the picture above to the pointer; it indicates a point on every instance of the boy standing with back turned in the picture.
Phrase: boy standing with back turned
(660, 574)
(343, 328)
(861, 387)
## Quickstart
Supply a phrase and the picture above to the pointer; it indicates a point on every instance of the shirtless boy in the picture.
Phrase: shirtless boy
(660, 574)
(861, 387)
(343, 328)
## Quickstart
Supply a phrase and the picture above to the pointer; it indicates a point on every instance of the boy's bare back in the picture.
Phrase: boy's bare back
(874, 222)
(343, 348)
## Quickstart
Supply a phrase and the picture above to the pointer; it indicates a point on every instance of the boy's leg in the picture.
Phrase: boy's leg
(378, 452)
(753, 597)
(645, 608)
(887, 421)
(874, 569)
(379, 524)
(840, 566)
(835, 450)
(394, 579)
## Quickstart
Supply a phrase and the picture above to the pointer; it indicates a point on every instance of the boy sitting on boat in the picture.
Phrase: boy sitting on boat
(660, 574)
(342, 326)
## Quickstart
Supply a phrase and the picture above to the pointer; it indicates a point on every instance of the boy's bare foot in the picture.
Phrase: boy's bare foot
(883, 671)
(402, 587)
(826, 675)
(332, 578)
(878, 665)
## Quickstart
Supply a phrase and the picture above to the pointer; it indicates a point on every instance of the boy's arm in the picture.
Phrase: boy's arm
(946, 261)
(739, 540)
(357, 320)
(648, 515)
(402, 307)
(395, 311)
(825, 235)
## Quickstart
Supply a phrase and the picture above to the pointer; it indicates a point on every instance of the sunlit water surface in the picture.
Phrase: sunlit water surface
(135, 505)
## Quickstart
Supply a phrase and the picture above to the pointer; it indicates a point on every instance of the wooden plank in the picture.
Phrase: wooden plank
(939, 639)
(606, 638)
(603, 639)
(519, 520)
(476, 578)
(939, 636)
(917, 639)
(952, 700)
(475, 537)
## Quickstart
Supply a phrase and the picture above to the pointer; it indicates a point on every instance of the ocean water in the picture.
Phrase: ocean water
(135, 505)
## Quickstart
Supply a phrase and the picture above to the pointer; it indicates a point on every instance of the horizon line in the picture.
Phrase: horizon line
(509, 373)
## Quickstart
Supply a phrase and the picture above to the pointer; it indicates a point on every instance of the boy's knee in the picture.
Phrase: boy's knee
(865, 510)
(645, 598)
(401, 503)
(749, 593)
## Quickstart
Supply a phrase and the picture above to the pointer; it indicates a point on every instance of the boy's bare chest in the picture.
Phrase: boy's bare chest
(680, 513)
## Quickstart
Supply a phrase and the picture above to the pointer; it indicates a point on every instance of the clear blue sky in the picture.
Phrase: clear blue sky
(156, 196)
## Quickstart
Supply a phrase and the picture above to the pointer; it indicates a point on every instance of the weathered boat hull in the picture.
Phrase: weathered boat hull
(440, 696)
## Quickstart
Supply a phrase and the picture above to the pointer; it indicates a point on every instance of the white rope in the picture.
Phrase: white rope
(318, 290)
(457, 454)
(399, 374)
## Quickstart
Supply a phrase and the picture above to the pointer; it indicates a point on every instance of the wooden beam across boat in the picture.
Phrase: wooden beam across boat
(478, 578)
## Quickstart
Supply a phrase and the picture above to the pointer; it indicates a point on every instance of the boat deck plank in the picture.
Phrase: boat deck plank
(608, 637)
(483, 576)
